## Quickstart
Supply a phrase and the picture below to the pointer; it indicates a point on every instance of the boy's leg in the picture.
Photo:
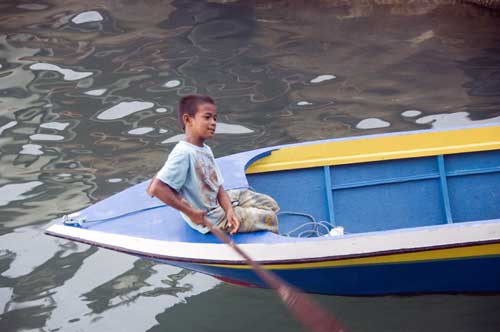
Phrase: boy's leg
(248, 198)
(217, 216)
(255, 211)
(254, 219)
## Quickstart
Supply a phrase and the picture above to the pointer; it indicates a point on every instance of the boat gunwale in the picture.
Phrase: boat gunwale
(256, 160)
(304, 260)
(289, 261)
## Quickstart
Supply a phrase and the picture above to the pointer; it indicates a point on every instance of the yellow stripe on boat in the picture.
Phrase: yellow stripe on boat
(484, 250)
(379, 148)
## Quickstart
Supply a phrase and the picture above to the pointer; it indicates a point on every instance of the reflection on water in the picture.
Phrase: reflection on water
(124, 109)
(453, 120)
(32, 149)
(88, 92)
(53, 283)
(372, 123)
(124, 288)
(17, 191)
(85, 17)
(7, 126)
(68, 74)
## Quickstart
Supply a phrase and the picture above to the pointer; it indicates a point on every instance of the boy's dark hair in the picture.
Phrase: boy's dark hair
(189, 105)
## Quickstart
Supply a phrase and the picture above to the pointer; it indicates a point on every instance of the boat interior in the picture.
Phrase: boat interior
(384, 195)
(341, 186)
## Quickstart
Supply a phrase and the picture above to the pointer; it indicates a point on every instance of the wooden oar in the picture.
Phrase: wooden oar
(303, 307)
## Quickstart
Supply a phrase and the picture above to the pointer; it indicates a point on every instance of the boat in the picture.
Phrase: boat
(399, 213)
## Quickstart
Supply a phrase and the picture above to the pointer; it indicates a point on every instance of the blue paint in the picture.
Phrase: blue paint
(467, 161)
(444, 189)
(445, 276)
(386, 195)
(259, 156)
(485, 170)
(380, 171)
(301, 190)
(475, 197)
(389, 206)
(474, 185)
(400, 179)
(329, 194)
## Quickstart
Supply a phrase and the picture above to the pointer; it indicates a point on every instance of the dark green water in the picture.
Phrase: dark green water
(87, 98)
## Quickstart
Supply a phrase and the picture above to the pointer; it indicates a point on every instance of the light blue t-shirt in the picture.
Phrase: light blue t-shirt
(192, 171)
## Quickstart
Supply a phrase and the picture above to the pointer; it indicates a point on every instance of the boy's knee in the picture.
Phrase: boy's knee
(269, 203)
(271, 220)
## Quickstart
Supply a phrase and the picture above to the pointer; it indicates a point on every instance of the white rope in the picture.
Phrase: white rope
(318, 228)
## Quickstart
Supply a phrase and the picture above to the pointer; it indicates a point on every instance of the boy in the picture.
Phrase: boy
(191, 182)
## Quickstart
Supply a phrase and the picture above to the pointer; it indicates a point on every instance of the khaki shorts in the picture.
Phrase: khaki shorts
(255, 211)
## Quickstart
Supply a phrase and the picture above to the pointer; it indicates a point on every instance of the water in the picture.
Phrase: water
(87, 108)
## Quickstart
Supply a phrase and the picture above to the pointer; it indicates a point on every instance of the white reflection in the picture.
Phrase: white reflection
(124, 109)
(33, 248)
(453, 120)
(322, 78)
(225, 128)
(96, 92)
(55, 125)
(92, 275)
(411, 113)
(140, 131)
(46, 137)
(174, 139)
(86, 17)
(172, 84)
(17, 191)
(372, 123)
(222, 128)
(32, 149)
(68, 74)
(7, 126)
(5, 297)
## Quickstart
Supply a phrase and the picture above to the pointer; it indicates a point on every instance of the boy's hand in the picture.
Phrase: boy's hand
(233, 224)
(198, 217)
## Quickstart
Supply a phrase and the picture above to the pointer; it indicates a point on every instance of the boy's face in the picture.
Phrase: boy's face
(203, 124)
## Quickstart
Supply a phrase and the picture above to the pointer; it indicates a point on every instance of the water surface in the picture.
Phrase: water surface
(88, 92)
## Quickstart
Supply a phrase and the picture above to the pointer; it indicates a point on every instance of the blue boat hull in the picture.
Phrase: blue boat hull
(451, 276)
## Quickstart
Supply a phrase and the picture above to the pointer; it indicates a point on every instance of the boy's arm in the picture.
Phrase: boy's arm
(169, 196)
(224, 201)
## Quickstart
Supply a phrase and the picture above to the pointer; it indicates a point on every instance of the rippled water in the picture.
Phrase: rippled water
(87, 98)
